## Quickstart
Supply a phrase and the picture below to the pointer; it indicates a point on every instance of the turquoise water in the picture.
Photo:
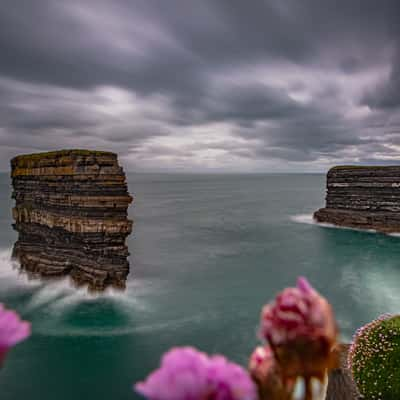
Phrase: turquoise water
(207, 252)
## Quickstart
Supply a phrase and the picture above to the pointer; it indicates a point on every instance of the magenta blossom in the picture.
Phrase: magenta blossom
(12, 330)
(188, 374)
(261, 361)
(301, 329)
(265, 371)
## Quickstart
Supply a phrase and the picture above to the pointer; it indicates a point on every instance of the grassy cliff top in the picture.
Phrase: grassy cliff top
(340, 167)
(59, 153)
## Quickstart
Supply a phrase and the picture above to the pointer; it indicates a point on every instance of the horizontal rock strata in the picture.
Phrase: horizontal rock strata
(71, 216)
(363, 197)
(341, 385)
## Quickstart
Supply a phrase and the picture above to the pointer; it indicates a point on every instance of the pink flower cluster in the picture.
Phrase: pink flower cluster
(364, 333)
(300, 327)
(265, 371)
(12, 330)
(301, 332)
(262, 358)
(188, 374)
(296, 313)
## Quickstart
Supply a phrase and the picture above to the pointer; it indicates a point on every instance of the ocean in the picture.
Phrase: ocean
(206, 253)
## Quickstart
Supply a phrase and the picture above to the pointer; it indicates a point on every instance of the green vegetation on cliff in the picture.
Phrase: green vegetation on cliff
(58, 153)
(376, 167)
(374, 359)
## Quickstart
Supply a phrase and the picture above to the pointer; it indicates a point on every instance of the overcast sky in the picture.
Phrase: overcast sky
(203, 85)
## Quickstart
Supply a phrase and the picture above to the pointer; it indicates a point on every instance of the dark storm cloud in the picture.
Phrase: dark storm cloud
(107, 42)
(386, 94)
(237, 84)
(251, 103)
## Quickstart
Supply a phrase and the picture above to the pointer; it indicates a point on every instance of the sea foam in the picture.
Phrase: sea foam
(308, 219)
(60, 298)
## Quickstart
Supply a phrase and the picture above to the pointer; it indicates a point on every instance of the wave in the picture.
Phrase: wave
(169, 325)
(47, 304)
(373, 288)
(10, 275)
(308, 219)
(61, 291)
(381, 289)
(303, 219)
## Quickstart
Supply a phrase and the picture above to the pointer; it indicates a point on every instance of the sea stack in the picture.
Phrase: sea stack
(71, 216)
(364, 197)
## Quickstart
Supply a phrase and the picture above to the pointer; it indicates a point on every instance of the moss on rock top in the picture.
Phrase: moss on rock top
(377, 167)
(62, 153)
(30, 160)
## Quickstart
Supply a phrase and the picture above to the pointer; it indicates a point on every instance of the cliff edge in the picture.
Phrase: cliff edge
(364, 197)
(71, 216)
(341, 385)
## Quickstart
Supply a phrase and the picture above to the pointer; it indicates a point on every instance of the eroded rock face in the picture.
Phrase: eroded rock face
(71, 216)
(341, 385)
(363, 197)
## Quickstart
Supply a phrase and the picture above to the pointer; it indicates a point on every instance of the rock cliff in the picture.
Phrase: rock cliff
(71, 216)
(341, 385)
(363, 197)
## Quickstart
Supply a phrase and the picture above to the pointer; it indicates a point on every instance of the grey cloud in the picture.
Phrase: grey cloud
(125, 74)
(36, 117)
(252, 103)
(387, 93)
(58, 42)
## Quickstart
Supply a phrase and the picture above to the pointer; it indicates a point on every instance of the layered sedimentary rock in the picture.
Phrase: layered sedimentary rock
(71, 216)
(341, 385)
(363, 197)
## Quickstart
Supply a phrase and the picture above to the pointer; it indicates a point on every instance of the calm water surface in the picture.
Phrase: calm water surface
(206, 253)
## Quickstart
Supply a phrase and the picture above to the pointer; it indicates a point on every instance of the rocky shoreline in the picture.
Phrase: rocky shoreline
(363, 197)
(71, 216)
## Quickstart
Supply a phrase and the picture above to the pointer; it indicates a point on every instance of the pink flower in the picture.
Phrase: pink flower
(12, 330)
(265, 371)
(363, 332)
(262, 361)
(187, 374)
(301, 329)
